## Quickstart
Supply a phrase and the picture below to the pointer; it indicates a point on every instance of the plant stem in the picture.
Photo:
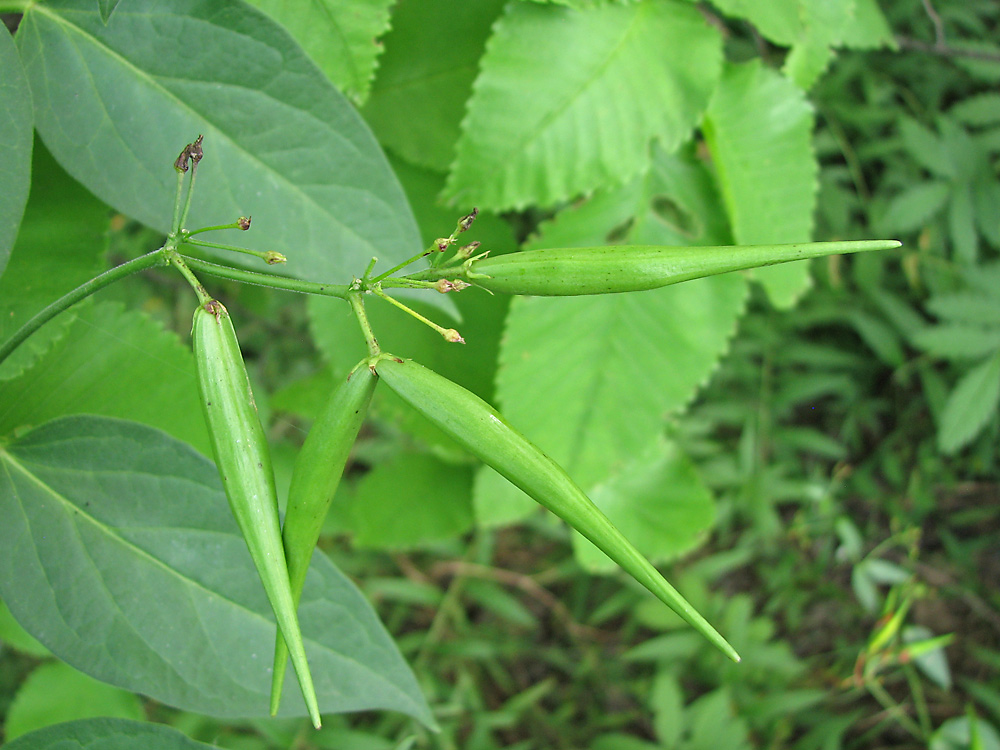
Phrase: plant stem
(266, 279)
(404, 282)
(358, 305)
(187, 200)
(395, 268)
(270, 257)
(447, 334)
(155, 258)
(178, 262)
(234, 225)
(175, 223)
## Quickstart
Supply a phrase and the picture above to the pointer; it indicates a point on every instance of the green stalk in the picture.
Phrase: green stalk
(266, 279)
(271, 257)
(155, 258)
(358, 306)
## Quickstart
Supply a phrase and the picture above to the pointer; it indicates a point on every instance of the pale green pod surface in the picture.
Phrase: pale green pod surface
(483, 432)
(244, 463)
(633, 268)
(317, 472)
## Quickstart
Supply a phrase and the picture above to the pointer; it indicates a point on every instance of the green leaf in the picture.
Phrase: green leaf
(758, 129)
(778, 21)
(60, 246)
(962, 226)
(340, 37)
(868, 27)
(970, 406)
(982, 109)
(812, 28)
(112, 362)
(666, 699)
(16, 137)
(56, 692)
(589, 380)
(806, 62)
(108, 734)
(928, 654)
(926, 148)
(281, 143)
(966, 307)
(683, 329)
(125, 561)
(425, 77)
(983, 69)
(16, 637)
(568, 100)
(957, 734)
(986, 195)
(410, 500)
(107, 7)
(658, 501)
(914, 207)
(958, 341)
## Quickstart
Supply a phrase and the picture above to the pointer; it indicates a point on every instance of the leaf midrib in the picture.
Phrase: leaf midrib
(78, 512)
(154, 83)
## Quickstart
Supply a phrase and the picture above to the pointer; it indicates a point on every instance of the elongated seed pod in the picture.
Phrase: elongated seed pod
(633, 268)
(483, 432)
(244, 463)
(317, 473)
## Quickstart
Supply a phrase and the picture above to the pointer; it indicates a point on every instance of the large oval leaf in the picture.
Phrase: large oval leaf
(107, 734)
(15, 145)
(121, 556)
(116, 104)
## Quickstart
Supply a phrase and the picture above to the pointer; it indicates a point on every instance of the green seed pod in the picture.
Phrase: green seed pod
(633, 268)
(483, 432)
(244, 463)
(317, 473)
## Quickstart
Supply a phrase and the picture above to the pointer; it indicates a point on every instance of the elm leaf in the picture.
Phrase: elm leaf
(758, 128)
(569, 100)
(340, 37)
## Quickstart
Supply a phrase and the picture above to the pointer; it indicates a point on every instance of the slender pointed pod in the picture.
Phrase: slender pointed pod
(317, 472)
(483, 432)
(244, 463)
(633, 268)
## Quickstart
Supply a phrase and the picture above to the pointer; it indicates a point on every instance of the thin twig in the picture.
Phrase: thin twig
(939, 40)
(945, 50)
